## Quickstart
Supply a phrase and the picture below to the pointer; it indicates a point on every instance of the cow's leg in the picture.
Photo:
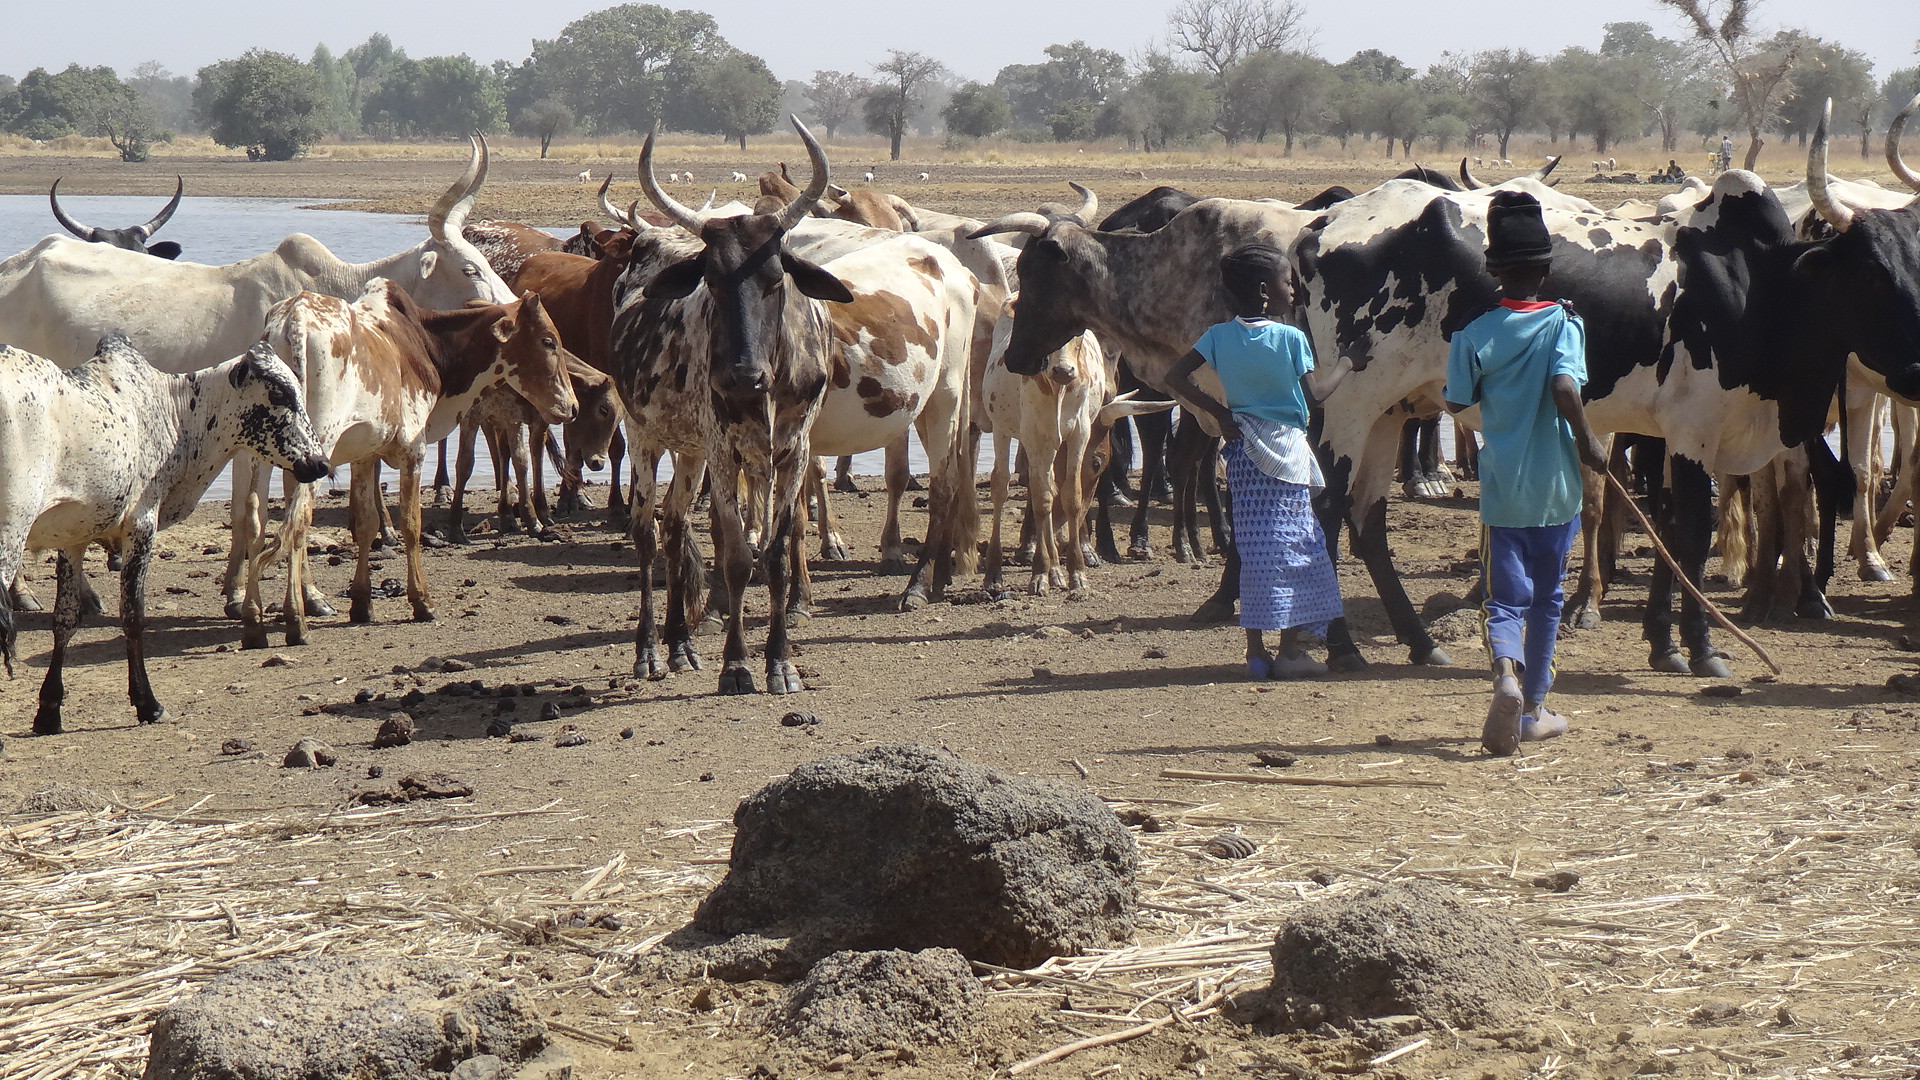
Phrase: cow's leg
(832, 547)
(299, 584)
(440, 474)
(617, 513)
(843, 476)
(1433, 483)
(1044, 569)
(1115, 486)
(462, 473)
(1183, 464)
(248, 519)
(528, 448)
(1069, 462)
(410, 535)
(313, 597)
(1863, 408)
(799, 609)
(20, 595)
(735, 561)
(1155, 429)
(941, 436)
(1583, 611)
(1369, 516)
(1763, 561)
(1692, 534)
(893, 555)
(1407, 460)
(1002, 476)
(782, 677)
(646, 537)
(253, 630)
(1466, 453)
(1832, 485)
(135, 559)
(66, 619)
(363, 513)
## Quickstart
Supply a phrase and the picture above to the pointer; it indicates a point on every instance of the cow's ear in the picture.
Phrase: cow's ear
(812, 281)
(503, 329)
(676, 282)
(165, 249)
(1814, 262)
(428, 260)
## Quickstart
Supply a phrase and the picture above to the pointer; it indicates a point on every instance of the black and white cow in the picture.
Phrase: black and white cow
(1715, 329)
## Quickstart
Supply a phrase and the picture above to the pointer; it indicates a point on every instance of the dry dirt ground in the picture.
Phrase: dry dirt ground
(1745, 866)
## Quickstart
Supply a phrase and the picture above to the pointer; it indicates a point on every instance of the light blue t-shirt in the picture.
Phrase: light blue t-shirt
(1260, 363)
(1505, 362)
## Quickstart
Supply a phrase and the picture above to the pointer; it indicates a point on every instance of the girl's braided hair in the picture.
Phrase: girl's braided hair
(1244, 270)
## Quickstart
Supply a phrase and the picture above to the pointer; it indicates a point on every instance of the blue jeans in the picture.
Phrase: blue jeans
(1521, 569)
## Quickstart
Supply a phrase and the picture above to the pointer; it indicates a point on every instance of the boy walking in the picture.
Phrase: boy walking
(1524, 362)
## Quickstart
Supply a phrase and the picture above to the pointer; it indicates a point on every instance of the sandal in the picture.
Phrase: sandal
(1500, 735)
(1541, 723)
(1260, 668)
(1300, 666)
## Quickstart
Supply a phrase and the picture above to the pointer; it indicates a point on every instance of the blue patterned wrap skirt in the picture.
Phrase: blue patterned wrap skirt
(1286, 578)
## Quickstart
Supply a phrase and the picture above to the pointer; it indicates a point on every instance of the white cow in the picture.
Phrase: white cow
(111, 452)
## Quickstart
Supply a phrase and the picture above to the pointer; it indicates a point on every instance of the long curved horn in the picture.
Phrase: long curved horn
(1900, 168)
(1544, 171)
(675, 211)
(606, 204)
(166, 212)
(1837, 213)
(84, 232)
(460, 194)
(1472, 183)
(803, 205)
(1089, 205)
(1024, 221)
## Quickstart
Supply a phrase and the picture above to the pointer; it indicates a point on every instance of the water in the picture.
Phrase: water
(225, 230)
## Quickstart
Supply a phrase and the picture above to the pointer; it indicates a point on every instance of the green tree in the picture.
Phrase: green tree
(268, 102)
(341, 86)
(66, 102)
(1758, 76)
(617, 67)
(1396, 111)
(544, 120)
(1166, 104)
(977, 111)
(169, 96)
(899, 85)
(1222, 35)
(1825, 70)
(1075, 72)
(9, 100)
(1592, 98)
(1505, 86)
(835, 97)
(735, 96)
(1662, 74)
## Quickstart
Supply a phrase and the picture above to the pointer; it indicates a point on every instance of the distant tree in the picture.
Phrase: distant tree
(520, 87)
(1396, 111)
(1376, 67)
(735, 96)
(53, 104)
(896, 98)
(9, 100)
(1504, 88)
(169, 96)
(1273, 90)
(1075, 72)
(1592, 97)
(1758, 76)
(544, 120)
(616, 68)
(836, 97)
(265, 101)
(1825, 70)
(1663, 75)
(1222, 33)
(124, 119)
(1076, 120)
(1166, 103)
(341, 86)
(977, 111)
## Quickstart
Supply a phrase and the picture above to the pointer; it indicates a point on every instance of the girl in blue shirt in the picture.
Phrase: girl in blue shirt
(1266, 368)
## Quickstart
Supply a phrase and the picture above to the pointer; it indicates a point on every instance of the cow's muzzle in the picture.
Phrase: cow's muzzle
(308, 470)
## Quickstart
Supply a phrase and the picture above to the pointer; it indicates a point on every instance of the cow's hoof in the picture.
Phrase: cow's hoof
(92, 607)
(736, 679)
(647, 665)
(619, 520)
(782, 678)
(296, 635)
(1875, 571)
(1140, 550)
(893, 563)
(1588, 619)
(1669, 661)
(1181, 554)
(506, 523)
(1814, 607)
(29, 602)
(1037, 585)
(845, 485)
(1214, 611)
(360, 612)
(47, 722)
(458, 535)
(799, 618)
(235, 609)
(1346, 662)
(1092, 558)
(712, 624)
(318, 608)
(1434, 656)
(422, 613)
(682, 656)
(156, 715)
(835, 551)
(1712, 665)
(914, 600)
(253, 636)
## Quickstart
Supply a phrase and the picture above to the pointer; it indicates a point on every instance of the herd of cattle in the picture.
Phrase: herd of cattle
(749, 343)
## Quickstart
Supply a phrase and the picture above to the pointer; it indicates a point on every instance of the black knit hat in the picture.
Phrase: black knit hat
(1516, 233)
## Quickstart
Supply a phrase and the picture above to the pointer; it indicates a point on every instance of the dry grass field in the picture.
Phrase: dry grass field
(1744, 869)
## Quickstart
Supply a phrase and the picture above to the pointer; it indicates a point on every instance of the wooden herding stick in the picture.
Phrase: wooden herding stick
(1681, 575)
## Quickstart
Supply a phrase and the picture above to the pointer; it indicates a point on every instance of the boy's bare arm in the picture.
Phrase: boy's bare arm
(1566, 398)
(1180, 381)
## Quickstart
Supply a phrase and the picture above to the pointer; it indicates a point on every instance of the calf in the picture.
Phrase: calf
(507, 419)
(113, 451)
(384, 379)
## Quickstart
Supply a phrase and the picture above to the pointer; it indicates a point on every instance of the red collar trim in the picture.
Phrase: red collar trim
(1528, 305)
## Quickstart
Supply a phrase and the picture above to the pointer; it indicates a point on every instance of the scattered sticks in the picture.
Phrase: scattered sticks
(1297, 781)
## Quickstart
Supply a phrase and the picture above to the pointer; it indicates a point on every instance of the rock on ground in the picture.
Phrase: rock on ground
(1403, 949)
(909, 847)
(854, 1002)
(354, 1018)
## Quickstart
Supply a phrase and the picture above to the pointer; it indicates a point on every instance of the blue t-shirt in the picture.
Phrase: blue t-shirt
(1260, 363)
(1505, 362)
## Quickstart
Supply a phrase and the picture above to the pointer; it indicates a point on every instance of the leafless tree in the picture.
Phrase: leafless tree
(1224, 32)
(1760, 77)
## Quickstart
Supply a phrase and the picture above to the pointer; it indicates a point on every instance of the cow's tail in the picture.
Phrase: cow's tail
(963, 451)
(554, 454)
(7, 632)
(1736, 527)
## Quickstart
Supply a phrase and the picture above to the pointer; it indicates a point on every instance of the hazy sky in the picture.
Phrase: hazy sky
(974, 38)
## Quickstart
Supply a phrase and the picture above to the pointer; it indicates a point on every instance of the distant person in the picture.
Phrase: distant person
(1523, 361)
(1287, 581)
(1726, 153)
(1674, 175)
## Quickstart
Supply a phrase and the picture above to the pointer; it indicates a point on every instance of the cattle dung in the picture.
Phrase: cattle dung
(909, 847)
(366, 1017)
(1396, 949)
(856, 1002)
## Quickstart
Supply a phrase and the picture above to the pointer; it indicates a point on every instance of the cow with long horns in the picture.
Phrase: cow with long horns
(133, 238)
(722, 358)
